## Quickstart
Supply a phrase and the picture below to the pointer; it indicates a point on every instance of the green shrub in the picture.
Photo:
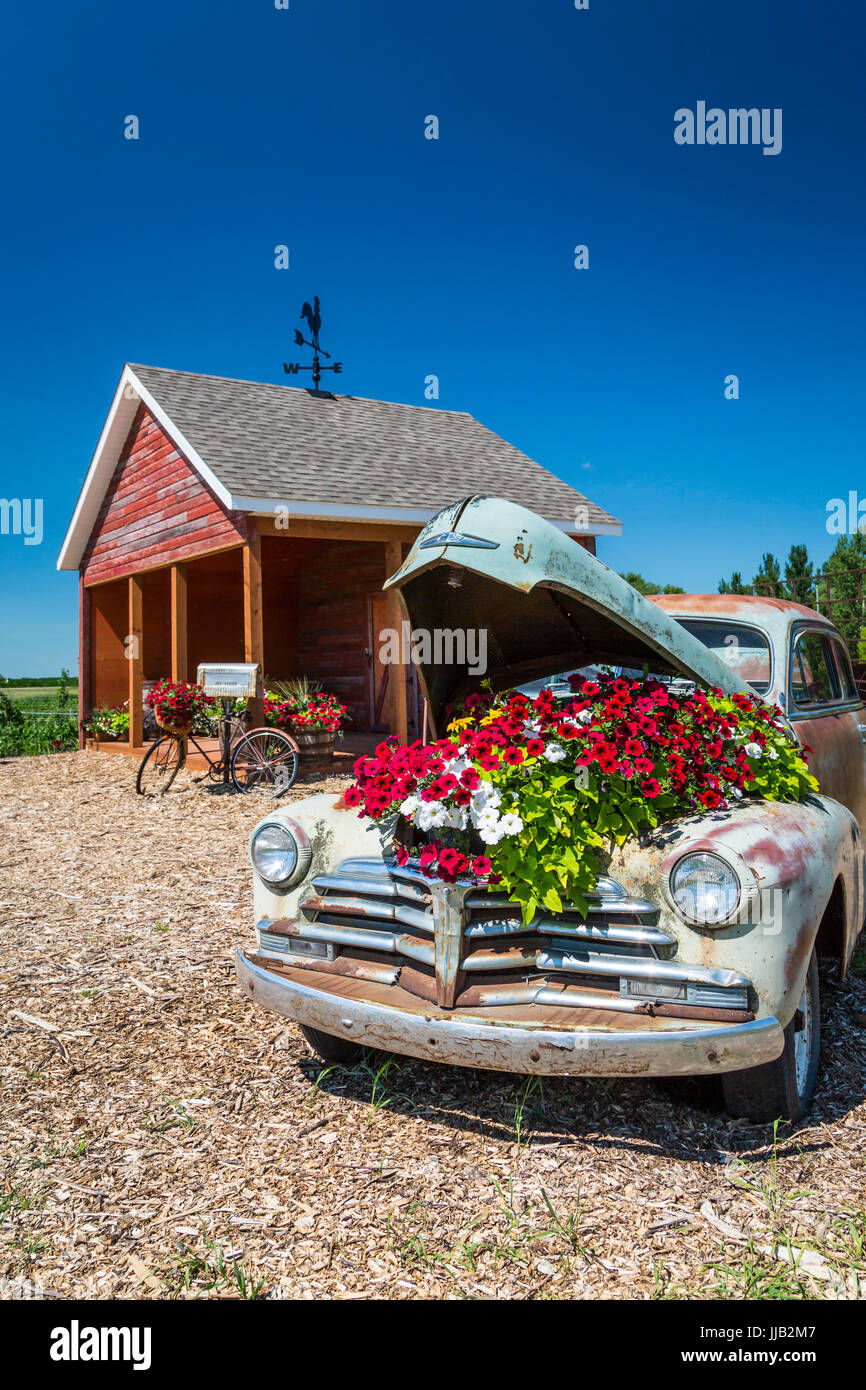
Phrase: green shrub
(109, 722)
(25, 732)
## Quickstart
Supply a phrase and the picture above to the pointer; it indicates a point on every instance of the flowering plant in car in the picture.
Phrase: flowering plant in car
(526, 792)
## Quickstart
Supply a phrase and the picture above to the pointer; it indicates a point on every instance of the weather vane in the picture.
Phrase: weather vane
(314, 323)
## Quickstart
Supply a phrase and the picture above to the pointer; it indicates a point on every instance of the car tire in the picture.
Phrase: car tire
(782, 1090)
(329, 1048)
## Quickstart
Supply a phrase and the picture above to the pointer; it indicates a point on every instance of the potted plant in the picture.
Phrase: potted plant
(313, 717)
(107, 724)
(177, 705)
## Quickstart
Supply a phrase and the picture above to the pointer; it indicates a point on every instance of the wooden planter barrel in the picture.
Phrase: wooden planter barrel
(316, 749)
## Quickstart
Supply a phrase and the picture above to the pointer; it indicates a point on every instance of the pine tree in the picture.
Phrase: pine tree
(768, 580)
(799, 577)
(646, 586)
(845, 603)
(734, 585)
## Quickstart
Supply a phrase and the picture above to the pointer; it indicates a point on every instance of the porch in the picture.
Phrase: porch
(301, 599)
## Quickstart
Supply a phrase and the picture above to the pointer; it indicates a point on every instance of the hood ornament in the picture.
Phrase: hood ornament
(458, 538)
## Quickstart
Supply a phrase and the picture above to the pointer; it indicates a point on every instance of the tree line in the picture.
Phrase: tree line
(838, 590)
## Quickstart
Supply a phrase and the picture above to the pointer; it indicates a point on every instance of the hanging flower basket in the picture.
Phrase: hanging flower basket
(175, 705)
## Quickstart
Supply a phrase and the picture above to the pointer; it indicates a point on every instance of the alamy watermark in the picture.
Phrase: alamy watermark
(736, 126)
(443, 646)
(846, 516)
(77, 1343)
(22, 516)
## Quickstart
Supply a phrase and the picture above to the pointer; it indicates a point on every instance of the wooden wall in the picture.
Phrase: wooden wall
(332, 619)
(215, 610)
(109, 624)
(156, 510)
(156, 624)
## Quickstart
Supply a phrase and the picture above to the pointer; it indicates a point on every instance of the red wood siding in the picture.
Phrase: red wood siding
(157, 510)
(332, 631)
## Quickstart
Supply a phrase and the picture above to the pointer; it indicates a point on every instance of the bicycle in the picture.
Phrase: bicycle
(264, 760)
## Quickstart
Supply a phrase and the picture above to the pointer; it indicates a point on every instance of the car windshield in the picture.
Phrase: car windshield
(745, 649)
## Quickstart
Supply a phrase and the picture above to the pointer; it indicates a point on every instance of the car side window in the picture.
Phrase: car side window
(813, 674)
(846, 673)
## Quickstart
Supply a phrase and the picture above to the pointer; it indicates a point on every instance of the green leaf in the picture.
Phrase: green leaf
(552, 900)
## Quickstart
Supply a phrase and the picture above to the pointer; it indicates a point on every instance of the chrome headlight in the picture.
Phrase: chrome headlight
(280, 853)
(705, 889)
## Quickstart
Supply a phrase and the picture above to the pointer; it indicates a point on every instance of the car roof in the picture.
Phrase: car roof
(747, 608)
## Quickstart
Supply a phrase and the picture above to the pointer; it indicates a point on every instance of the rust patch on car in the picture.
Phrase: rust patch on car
(520, 551)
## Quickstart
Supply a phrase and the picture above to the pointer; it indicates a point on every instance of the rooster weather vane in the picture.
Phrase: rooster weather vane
(314, 323)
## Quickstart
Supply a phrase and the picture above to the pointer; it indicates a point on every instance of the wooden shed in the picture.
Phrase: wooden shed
(225, 520)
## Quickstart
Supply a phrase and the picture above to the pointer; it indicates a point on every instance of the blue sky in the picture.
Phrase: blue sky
(305, 126)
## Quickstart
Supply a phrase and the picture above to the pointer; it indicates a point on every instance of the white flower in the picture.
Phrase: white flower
(457, 818)
(753, 750)
(485, 795)
(490, 834)
(531, 726)
(554, 753)
(410, 805)
(458, 765)
(736, 793)
(771, 753)
(584, 716)
(511, 824)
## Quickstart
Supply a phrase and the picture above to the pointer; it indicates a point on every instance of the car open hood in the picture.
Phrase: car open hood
(484, 565)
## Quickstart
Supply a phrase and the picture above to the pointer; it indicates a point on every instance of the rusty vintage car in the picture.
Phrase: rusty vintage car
(362, 952)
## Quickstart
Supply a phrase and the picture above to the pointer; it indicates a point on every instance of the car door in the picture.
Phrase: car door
(828, 715)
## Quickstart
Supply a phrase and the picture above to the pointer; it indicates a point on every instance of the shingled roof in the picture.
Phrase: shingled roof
(259, 445)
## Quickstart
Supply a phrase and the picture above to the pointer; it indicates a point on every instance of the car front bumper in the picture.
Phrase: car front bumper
(461, 1040)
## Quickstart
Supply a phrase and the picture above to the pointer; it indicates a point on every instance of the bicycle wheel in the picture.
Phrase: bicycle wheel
(160, 765)
(265, 761)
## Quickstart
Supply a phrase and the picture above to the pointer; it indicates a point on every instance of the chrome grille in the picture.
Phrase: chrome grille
(459, 945)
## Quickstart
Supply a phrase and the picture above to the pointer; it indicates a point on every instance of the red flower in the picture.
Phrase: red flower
(452, 863)
(429, 855)
(489, 762)
(650, 788)
(481, 865)
(353, 796)
(401, 854)
(535, 747)
(512, 756)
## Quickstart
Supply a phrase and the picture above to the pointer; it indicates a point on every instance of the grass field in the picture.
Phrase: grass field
(35, 692)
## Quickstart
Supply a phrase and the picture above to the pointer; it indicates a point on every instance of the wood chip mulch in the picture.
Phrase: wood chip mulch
(162, 1138)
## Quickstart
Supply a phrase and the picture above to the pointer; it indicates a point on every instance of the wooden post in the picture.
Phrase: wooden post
(179, 658)
(398, 682)
(133, 656)
(253, 629)
(84, 639)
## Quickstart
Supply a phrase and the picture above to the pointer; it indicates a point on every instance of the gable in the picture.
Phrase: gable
(156, 509)
(256, 447)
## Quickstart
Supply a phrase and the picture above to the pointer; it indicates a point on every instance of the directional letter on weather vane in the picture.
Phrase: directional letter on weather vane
(314, 323)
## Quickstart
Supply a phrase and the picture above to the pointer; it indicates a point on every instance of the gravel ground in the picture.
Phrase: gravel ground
(161, 1138)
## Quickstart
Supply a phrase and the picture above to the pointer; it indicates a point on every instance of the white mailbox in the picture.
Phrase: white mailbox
(230, 681)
